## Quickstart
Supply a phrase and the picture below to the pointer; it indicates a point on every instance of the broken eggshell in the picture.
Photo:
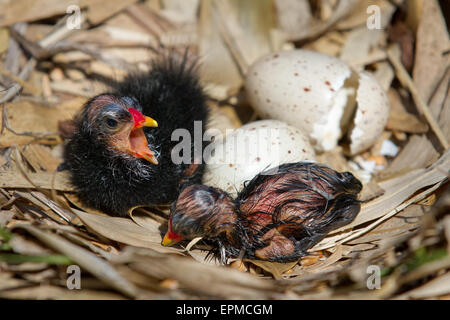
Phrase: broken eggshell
(372, 114)
(321, 95)
(250, 149)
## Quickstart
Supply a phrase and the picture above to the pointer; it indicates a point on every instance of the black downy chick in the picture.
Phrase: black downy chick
(118, 158)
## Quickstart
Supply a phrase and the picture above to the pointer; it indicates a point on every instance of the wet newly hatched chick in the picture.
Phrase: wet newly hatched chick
(118, 157)
(278, 216)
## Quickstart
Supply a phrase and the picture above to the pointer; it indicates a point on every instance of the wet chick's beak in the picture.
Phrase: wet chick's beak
(171, 238)
(138, 141)
(167, 241)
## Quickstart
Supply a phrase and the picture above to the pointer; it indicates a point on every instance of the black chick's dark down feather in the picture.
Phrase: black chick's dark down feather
(114, 182)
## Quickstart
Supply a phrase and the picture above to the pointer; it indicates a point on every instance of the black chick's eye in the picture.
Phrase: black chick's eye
(111, 123)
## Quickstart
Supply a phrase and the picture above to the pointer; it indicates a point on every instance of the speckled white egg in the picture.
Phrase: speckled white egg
(252, 148)
(318, 94)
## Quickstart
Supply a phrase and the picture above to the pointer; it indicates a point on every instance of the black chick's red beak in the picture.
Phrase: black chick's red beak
(138, 142)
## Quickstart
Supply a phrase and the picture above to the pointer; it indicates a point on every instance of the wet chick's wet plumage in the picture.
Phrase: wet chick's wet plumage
(118, 158)
(278, 216)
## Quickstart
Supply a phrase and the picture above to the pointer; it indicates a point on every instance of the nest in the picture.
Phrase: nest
(51, 62)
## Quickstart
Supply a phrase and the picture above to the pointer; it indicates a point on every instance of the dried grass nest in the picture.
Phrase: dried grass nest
(48, 70)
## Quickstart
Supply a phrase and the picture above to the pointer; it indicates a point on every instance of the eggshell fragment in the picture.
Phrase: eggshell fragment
(372, 114)
(318, 94)
(251, 149)
(388, 148)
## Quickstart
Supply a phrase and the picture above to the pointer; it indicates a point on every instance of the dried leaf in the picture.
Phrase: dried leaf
(384, 74)
(4, 40)
(400, 119)
(414, 13)
(370, 191)
(406, 122)
(432, 41)
(125, 231)
(360, 42)
(207, 280)
(145, 221)
(438, 100)
(75, 200)
(31, 10)
(432, 289)
(397, 191)
(40, 158)
(223, 119)
(294, 15)
(5, 217)
(49, 292)
(103, 9)
(216, 59)
(447, 231)
(297, 29)
(419, 152)
(276, 269)
(180, 11)
(86, 260)
(318, 267)
(21, 245)
(34, 122)
(354, 234)
(330, 44)
(46, 180)
(7, 282)
(83, 88)
(408, 219)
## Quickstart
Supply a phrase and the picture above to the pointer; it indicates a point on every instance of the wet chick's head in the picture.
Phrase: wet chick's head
(116, 123)
(201, 211)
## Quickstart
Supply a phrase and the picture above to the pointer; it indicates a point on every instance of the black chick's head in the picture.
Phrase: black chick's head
(201, 211)
(108, 154)
(117, 123)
